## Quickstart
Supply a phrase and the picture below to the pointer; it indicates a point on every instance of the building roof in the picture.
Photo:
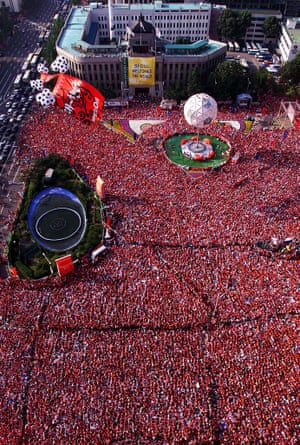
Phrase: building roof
(143, 27)
(191, 46)
(293, 28)
(157, 6)
(73, 40)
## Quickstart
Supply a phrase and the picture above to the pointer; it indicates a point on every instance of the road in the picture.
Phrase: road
(23, 42)
(16, 50)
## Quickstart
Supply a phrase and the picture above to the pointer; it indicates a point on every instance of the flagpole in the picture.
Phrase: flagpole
(110, 20)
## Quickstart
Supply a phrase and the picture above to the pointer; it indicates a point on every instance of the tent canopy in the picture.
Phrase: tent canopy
(243, 99)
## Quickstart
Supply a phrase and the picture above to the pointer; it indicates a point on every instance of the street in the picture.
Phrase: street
(23, 42)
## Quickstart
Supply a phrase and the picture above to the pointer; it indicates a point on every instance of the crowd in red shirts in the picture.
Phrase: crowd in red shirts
(185, 331)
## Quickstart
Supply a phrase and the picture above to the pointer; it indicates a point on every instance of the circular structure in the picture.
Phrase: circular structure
(196, 149)
(173, 150)
(65, 222)
(200, 110)
(57, 219)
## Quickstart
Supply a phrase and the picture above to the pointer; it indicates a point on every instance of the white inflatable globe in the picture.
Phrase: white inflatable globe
(200, 110)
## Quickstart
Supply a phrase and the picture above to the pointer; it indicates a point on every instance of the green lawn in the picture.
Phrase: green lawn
(173, 151)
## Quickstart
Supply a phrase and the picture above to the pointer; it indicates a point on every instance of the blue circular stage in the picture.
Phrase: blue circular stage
(57, 219)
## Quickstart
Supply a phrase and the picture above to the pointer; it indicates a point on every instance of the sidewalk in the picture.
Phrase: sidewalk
(11, 189)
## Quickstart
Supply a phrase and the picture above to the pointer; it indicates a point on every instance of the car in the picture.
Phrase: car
(11, 137)
(20, 117)
(3, 118)
(275, 66)
(10, 111)
(14, 128)
(3, 142)
(24, 66)
(8, 104)
(7, 131)
(15, 95)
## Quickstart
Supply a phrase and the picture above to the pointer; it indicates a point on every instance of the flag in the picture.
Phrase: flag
(100, 187)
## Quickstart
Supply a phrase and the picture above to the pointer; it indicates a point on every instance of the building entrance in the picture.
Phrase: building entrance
(142, 91)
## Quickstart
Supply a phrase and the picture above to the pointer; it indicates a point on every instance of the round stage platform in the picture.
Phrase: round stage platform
(214, 156)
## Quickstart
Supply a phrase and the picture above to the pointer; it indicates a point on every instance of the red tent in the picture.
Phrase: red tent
(64, 265)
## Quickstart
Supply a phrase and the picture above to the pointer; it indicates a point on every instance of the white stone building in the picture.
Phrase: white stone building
(289, 43)
(13, 5)
(99, 42)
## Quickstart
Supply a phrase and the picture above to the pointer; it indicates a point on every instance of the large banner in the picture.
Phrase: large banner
(76, 96)
(141, 71)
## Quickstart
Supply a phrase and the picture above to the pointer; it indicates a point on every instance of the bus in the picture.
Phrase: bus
(248, 46)
(38, 51)
(29, 57)
(230, 46)
(237, 46)
(18, 81)
(34, 60)
(42, 36)
(26, 76)
(24, 67)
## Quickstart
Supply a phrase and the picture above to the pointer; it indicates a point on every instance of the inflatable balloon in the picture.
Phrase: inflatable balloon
(45, 98)
(41, 68)
(37, 84)
(200, 110)
(60, 64)
(74, 95)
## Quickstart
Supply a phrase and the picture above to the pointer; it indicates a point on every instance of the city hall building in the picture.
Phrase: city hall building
(131, 49)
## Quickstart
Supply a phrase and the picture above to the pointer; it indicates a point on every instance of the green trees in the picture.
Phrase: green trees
(263, 82)
(232, 25)
(290, 76)
(23, 251)
(290, 72)
(177, 92)
(49, 51)
(228, 80)
(271, 27)
(195, 84)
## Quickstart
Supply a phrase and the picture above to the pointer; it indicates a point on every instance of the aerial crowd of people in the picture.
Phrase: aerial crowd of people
(184, 332)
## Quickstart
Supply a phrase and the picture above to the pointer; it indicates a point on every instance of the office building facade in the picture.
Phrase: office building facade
(100, 43)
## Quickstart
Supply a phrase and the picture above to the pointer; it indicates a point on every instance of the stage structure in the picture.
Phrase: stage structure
(290, 110)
